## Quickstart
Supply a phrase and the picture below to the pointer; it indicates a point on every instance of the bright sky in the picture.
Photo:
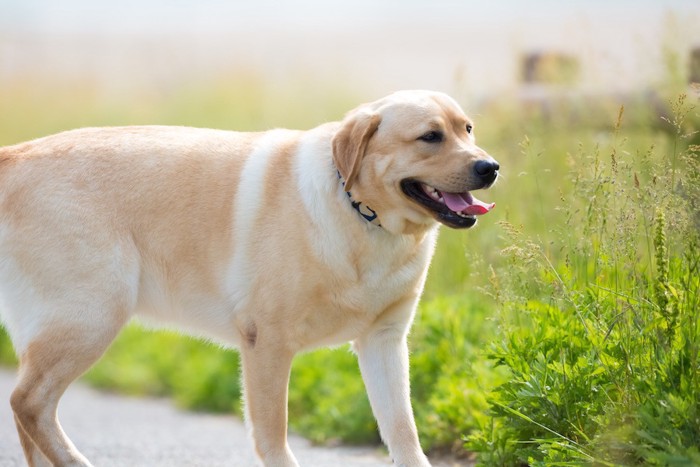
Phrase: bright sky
(144, 15)
(380, 44)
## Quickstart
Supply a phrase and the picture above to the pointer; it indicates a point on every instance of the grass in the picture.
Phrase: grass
(563, 330)
(600, 317)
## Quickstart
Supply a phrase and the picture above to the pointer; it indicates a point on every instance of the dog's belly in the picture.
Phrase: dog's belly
(194, 312)
(304, 305)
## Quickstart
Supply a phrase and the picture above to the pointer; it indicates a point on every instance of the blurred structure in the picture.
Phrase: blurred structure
(694, 66)
(470, 49)
(549, 68)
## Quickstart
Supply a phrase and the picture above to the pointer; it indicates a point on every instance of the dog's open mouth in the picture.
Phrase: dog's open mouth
(456, 210)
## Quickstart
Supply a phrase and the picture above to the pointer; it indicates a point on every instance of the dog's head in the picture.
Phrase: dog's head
(412, 157)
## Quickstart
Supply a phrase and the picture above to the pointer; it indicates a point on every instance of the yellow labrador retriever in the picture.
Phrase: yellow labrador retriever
(273, 242)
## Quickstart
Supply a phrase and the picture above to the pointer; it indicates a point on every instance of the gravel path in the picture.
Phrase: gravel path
(113, 430)
(117, 431)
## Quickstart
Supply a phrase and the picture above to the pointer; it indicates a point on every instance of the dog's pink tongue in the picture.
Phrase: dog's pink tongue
(466, 204)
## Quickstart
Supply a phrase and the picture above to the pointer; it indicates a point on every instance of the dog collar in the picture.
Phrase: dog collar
(367, 213)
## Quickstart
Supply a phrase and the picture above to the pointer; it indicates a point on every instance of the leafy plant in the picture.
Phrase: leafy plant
(601, 333)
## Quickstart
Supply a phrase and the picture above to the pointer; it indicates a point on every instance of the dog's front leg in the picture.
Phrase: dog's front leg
(266, 368)
(383, 357)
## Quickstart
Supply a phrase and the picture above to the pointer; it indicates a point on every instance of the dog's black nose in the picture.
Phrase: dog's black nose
(486, 170)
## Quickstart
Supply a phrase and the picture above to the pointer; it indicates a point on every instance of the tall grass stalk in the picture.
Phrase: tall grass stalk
(603, 355)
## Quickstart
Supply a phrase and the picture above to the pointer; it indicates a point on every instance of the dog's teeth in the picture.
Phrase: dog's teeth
(432, 192)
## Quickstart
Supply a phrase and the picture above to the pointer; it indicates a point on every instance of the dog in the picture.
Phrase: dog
(273, 242)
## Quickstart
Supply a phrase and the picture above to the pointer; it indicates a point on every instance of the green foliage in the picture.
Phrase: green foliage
(7, 353)
(450, 379)
(198, 374)
(601, 334)
(327, 399)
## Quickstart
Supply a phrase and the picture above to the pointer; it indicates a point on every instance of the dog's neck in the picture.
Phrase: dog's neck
(367, 213)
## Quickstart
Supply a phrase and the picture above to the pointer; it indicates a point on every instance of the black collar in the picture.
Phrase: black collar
(367, 213)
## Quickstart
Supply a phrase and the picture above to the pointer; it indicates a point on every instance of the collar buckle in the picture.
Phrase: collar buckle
(367, 213)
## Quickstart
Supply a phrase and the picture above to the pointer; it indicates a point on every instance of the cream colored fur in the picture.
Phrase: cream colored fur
(248, 238)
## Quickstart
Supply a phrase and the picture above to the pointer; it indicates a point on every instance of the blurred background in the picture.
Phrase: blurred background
(565, 328)
(139, 54)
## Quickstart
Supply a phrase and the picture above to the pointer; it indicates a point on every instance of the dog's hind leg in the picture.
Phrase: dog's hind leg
(34, 457)
(51, 361)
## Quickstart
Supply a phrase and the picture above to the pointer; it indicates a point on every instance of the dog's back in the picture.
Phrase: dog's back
(72, 213)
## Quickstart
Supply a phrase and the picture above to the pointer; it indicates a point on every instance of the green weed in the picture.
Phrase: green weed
(600, 319)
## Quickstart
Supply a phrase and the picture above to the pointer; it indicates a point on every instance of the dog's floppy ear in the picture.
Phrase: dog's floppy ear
(350, 143)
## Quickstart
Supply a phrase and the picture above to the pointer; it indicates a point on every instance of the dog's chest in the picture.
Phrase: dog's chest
(381, 277)
(349, 293)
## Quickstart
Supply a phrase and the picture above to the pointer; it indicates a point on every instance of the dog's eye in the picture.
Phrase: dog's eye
(469, 129)
(432, 137)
